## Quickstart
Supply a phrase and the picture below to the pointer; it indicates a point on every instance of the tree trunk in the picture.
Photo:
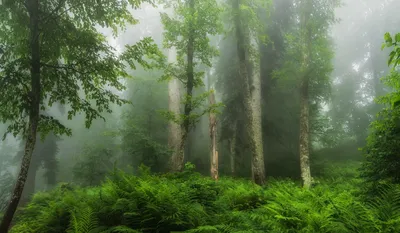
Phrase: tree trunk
(178, 162)
(258, 164)
(304, 136)
(29, 188)
(35, 95)
(253, 115)
(174, 129)
(232, 150)
(213, 137)
(304, 99)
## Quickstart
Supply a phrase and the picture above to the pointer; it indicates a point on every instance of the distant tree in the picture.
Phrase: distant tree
(187, 31)
(93, 165)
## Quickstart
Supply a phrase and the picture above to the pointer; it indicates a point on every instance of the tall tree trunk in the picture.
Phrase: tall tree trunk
(174, 99)
(304, 98)
(258, 164)
(178, 162)
(232, 150)
(213, 137)
(35, 95)
(250, 95)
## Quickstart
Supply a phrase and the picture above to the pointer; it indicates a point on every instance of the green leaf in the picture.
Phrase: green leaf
(396, 102)
(391, 57)
(388, 38)
(397, 38)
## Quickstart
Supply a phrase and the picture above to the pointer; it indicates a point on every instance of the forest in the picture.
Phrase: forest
(200, 116)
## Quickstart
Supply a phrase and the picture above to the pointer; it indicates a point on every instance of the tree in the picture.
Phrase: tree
(308, 43)
(251, 83)
(51, 50)
(305, 37)
(188, 32)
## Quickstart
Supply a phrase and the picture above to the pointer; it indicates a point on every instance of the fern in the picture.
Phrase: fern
(120, 229)
(83, 220)
(182, 203)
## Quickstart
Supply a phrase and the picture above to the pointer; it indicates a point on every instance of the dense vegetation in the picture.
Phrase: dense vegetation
(199, 116)
(189, 202)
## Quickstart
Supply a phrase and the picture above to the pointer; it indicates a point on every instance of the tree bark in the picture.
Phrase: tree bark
(258, 164)
(304, 99)
(35, 95)
(174, 129)
(232, 150)
(250, 95)
(304, 136)
(213, 137)
(29, 188)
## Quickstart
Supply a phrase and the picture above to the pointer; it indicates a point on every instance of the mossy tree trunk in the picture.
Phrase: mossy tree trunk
(251, 98)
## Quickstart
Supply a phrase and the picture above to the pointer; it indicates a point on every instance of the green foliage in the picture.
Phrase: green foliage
(188, 202)
(74, 56)
(191, 26)
(393, 41)
(82, 220)
(382, 150)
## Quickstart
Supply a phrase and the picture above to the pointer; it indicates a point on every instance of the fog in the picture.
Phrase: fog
(349, 65)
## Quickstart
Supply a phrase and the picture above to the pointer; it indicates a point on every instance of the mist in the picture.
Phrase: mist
(228, 107)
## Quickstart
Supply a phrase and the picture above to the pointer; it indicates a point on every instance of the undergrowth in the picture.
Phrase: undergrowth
(188, 202)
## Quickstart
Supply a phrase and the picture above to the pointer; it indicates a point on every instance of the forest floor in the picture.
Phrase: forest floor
(189, 202)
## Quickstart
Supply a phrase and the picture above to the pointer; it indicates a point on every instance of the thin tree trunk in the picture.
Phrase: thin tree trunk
(304, 100)
(177, 164)
(35, 95)
(252, 122)
(174, 129)
(232, 150)
(213, 137)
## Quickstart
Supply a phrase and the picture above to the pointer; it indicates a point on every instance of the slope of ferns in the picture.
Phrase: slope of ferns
(188, 202)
